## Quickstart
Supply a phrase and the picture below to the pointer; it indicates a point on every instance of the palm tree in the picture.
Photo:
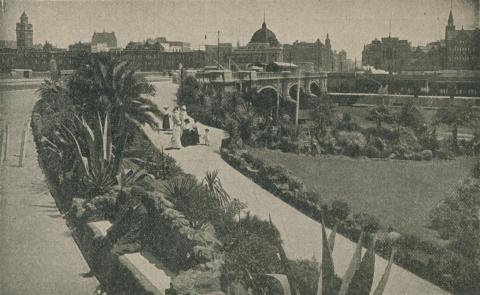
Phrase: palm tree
(109, 85)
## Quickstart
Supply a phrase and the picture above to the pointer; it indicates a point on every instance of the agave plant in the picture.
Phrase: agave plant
(358, 278)
(98, 164)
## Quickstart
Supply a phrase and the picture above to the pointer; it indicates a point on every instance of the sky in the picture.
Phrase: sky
(350, 23)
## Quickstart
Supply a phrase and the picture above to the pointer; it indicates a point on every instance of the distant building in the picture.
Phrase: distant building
(460, 50)
(80, 47)
(262, 48)
(178, 46)
(390, 54)
(305, 52)
(10, 44)
(342, 65)
(318, 54)
(160, 44)
(462, 47)
(103, 41)
(24, 33)
(214, 54)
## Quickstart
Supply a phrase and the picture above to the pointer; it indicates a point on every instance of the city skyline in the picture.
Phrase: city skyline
(349, 23)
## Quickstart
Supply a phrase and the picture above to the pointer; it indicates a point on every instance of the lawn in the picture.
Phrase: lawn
(399, 193)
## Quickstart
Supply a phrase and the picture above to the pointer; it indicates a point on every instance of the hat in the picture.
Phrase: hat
(184, 108)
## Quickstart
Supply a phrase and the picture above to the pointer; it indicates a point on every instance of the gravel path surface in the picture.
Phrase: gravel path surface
(38, 256)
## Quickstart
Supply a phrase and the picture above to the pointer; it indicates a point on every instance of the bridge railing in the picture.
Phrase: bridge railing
(270, 75)
(246, 75)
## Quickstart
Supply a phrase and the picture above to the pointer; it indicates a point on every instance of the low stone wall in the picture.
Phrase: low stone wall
(398, 100)
(137, 274)
(172, 235)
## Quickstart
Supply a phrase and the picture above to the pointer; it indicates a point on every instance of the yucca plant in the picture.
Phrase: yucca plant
(94, 149)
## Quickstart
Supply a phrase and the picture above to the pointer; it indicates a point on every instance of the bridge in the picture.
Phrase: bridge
(283, 84)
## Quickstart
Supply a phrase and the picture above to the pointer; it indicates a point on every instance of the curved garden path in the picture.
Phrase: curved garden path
(300, 234)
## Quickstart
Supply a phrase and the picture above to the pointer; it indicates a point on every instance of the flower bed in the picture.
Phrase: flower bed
(420, 257)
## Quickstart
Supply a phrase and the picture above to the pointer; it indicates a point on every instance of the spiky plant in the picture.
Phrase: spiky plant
(215, 190)
(94, 149)
(358, 278)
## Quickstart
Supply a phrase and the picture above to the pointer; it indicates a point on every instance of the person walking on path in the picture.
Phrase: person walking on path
(183, 115)
(175, 142)
(166, 118)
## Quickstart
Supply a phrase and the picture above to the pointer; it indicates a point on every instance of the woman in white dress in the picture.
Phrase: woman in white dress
(175, 142)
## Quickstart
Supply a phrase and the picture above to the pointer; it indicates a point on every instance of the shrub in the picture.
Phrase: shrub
(305, 274)
(295, 183)
(408, 139)
(352, 142)
(427, 155)
(445, 154)
(340, 209)
(417, 156)
(382, 132)
(372, 152)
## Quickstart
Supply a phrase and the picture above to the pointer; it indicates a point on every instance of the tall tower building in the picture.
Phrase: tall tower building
(24, 33)
(450, 28)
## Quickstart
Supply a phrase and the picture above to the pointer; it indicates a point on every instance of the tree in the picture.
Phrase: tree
(380, 114)
(455, 114)
(189, 91)
(109, 85)
(457, 219)
(410, 116)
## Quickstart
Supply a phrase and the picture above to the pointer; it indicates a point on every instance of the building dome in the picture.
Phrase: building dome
(264, 35)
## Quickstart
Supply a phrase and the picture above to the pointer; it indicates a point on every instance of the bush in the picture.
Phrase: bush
(372, 152)
(250, 256)
(427, 155)
(306, 274)
(408, 139)
(352, 142)
(382, 132)
(445, 154)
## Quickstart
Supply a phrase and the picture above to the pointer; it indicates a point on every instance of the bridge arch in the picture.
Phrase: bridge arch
(292, 90)
(314, 88)
(265, 88)
(266, 100)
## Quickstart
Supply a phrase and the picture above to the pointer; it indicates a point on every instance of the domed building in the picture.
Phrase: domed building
(264, 37)
(263, 48)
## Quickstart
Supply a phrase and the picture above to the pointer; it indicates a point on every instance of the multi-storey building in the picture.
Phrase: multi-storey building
(462, 47)
(390, 54)
(460, 50)
(262, 48)
(219, 53)
(103, 41)
(24, 33)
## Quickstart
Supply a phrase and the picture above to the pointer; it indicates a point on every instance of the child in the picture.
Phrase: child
(206, 141)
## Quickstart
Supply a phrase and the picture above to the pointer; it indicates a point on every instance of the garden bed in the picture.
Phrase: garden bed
(420, 256)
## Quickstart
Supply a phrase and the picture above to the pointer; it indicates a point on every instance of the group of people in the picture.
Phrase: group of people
(184, 129)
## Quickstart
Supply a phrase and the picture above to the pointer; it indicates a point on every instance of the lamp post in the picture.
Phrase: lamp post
(218, 43)
(297, 108)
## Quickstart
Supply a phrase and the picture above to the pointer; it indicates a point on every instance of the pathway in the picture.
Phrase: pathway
(301, 235)
(38, 256)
